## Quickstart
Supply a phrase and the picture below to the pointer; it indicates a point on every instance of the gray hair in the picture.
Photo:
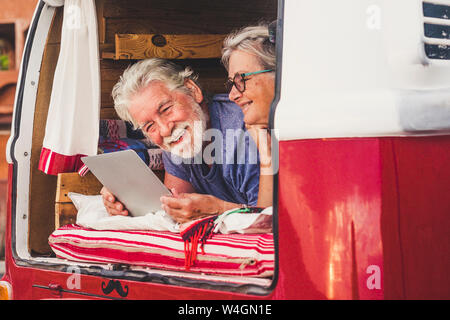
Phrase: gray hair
(253, 40)
(139, 75)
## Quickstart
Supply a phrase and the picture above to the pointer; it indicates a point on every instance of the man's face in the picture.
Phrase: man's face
(173, 120)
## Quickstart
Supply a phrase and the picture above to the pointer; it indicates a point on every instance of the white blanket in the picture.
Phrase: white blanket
(92, 214)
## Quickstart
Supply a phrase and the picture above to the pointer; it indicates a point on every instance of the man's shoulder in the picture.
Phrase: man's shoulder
(224, 113)
(223, 102)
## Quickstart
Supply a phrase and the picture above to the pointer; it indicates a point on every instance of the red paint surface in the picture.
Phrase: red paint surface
(346, 207)
(423, 218)
(329, 217)
(393, 192)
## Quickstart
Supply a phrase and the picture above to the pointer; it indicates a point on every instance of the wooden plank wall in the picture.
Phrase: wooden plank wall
(168, 46)
(174, 17)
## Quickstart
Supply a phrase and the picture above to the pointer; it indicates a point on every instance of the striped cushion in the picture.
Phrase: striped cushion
(250, 255)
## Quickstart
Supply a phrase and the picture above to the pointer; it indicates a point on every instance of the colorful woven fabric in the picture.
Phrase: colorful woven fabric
(151, 157)
(113, 129)
(194, 234)
(250, 255)
(117, 135)
(112, 145)
(118, 129)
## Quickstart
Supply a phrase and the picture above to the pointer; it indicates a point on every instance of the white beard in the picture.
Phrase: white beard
(189, 147)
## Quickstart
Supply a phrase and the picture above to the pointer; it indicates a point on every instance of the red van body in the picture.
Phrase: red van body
(325, 251)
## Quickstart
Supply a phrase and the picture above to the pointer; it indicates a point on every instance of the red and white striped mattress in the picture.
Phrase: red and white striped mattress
(250, 255)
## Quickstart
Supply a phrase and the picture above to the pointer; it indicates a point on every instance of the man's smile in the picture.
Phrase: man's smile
(179, 138)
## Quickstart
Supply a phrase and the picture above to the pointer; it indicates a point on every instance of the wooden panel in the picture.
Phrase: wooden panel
(65, 213)
(176, 17)
(73, 182)
(110, 72)
(166, 46)
(101, 23)
(212, 76)
(54, 36)
(108, 113)
(182, 17)
(42, 186)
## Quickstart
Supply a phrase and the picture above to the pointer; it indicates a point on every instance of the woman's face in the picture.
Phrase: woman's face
(255, 101)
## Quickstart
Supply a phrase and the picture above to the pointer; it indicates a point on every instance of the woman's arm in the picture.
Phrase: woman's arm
(263, 141)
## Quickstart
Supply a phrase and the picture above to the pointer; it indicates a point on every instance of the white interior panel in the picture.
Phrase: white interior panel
(358, 68)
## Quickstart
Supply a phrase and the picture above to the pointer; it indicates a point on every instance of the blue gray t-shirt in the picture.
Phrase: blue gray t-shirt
(234, 172)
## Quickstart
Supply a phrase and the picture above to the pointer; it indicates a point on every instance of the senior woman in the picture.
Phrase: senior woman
(249, 57)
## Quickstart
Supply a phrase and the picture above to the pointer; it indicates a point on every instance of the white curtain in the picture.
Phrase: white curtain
(72, 128)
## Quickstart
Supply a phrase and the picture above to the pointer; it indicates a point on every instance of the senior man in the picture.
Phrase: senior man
(166, 103)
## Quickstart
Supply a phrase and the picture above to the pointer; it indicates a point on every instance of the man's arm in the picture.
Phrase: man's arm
(180, 185)
(185, 205)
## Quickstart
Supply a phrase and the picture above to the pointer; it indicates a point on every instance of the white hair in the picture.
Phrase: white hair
(139, 75)
(253, 40)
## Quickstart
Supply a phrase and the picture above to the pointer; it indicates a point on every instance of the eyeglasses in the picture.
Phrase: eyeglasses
(239, 80)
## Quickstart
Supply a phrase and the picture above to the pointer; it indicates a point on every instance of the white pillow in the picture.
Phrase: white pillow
(92, 214)
(90, 208)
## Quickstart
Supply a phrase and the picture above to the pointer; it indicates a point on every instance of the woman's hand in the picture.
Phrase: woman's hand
(112, 205)
(185, 207)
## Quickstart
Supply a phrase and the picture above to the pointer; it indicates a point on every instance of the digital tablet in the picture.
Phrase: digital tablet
(127, 176)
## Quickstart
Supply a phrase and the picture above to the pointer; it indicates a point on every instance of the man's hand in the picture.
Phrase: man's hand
(112, 205)
(185, 207)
